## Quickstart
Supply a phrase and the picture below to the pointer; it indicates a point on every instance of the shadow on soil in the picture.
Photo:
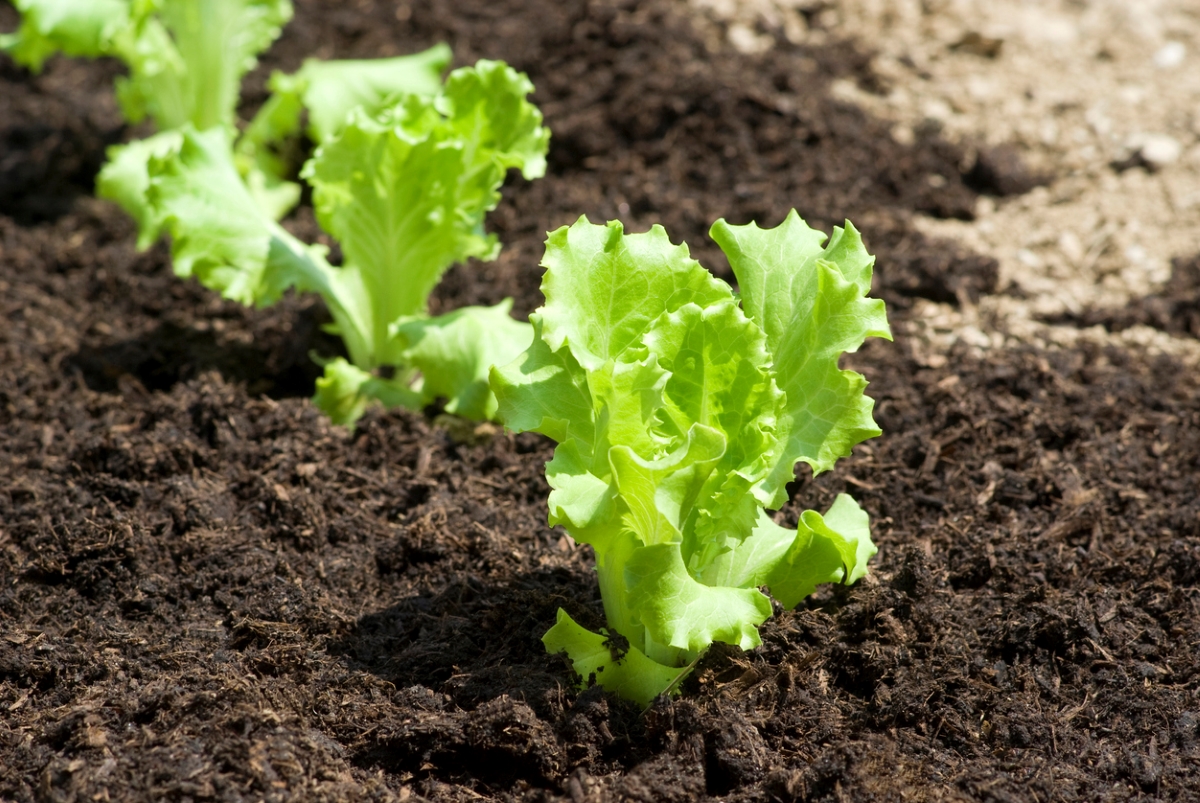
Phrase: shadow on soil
(277, 364)
(479, 690)
(1175, 309)
(50, 152)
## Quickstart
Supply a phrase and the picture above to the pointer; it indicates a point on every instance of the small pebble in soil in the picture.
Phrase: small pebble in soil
(1170, 55)
(1156, 150)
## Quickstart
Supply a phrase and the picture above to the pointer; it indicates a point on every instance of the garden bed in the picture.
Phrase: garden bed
(209, 592)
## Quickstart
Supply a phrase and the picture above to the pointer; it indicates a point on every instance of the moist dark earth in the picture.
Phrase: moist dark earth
(207, 592)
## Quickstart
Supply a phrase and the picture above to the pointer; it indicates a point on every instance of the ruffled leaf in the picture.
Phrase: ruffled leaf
(328, 91)
(833, 548)
(580, 501)
(406, 193)
(125, 179)
(660, 494)
(187, 58)
(545, 391)
(812, 310)
(331, 89)
(678, 611)
(485, 105)
(605, 288)
(719, 376)
(344, 392)
(219, 233)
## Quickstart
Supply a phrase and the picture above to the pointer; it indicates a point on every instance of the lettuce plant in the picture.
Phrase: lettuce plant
(186, 58)
(404, 172)
(680, 410)
(404, 189)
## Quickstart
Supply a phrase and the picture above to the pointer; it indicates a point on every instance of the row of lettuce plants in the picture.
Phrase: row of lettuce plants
(679, 406)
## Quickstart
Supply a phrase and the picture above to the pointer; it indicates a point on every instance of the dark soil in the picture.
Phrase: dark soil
(208, 592)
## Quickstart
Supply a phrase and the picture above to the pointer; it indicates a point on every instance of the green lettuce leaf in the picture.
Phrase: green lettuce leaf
(718, 365)
(220, 234)
(598, 660)
(330, 90)
(833, 548)
(545, 391)
(68, 26)
(659, 494)
(345, 391)
(604, 288)
(125, 179)
(486, 105)
(405, 192)
(678, 611)
(187, 58)
(810, 302)
(788, 561)
(447, 357)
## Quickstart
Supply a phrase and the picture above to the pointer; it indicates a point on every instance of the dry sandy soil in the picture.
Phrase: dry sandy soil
(1101, 102)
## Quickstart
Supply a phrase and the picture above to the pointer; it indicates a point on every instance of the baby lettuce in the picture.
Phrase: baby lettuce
(186, 58)
(680, 410)
(404, 189)
(403, 175)
(325, 90)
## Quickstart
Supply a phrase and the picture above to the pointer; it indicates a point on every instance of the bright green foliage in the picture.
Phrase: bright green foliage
(126, 179)
(404, 173)
(70, 26)
(330, 90)
(680, 411)
(186, 61)
(344, 392)
(219, 234)
(405, 192)
(186, 58)
(455, 351)
(810, 318)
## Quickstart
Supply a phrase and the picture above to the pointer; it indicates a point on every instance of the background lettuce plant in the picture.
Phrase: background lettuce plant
(186, 61)
(680, 410)
(186, 58)
(404, 172)
(404, 189)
